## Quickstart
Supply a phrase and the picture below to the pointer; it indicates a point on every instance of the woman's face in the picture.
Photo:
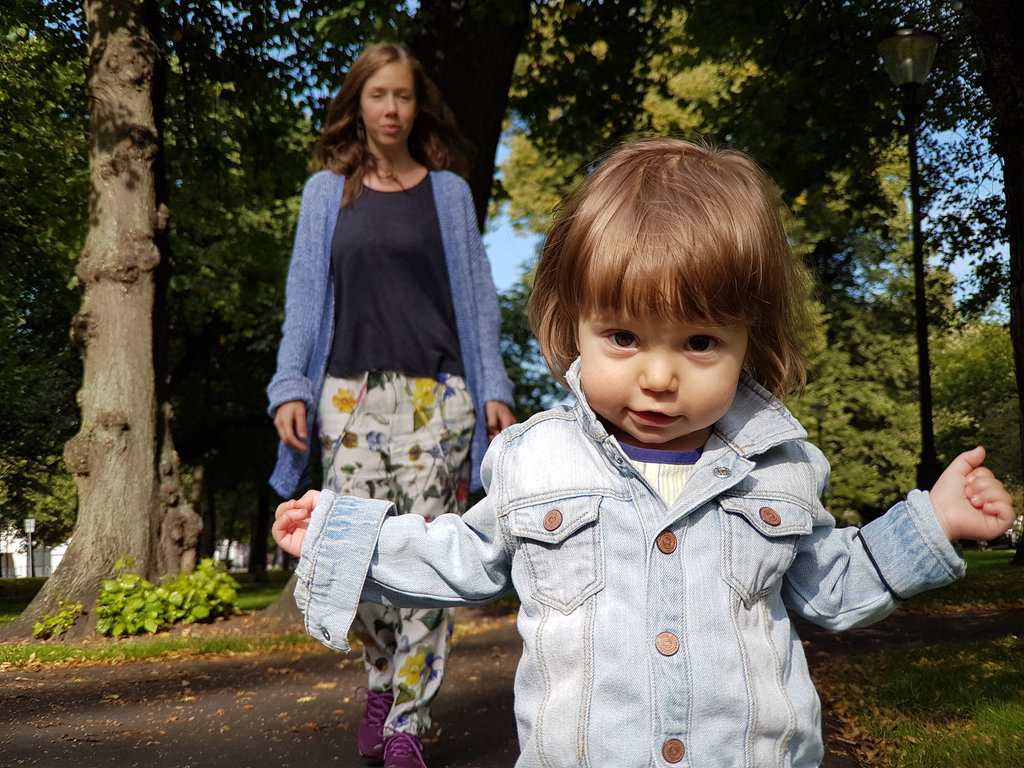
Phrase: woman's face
(387, 105)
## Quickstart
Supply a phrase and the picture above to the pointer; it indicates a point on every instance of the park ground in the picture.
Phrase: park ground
(295, 705)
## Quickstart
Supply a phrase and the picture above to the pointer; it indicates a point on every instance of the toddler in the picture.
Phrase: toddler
(658, 530)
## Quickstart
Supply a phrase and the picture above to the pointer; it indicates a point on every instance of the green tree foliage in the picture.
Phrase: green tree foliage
(796, 84)
(535, 387)
(44, 186)
(238, 147)
(975, 384)
(755, 76)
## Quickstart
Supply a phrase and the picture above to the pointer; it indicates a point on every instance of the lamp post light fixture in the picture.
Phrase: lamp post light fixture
(908, 57)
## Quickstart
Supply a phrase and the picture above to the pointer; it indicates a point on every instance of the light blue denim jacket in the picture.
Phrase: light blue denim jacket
(653, 634)
(308, 328)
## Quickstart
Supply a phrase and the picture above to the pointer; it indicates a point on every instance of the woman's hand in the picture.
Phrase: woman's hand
(290, 421)
(499, 416)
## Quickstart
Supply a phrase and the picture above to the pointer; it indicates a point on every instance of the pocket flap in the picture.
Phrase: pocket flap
(771, 516)
(553, 521)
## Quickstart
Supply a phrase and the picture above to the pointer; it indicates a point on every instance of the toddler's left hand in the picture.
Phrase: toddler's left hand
(969, 502)
(291, 521)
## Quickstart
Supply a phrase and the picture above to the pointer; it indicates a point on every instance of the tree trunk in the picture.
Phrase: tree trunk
(122, 458)
(469, 50)
(260, 532)
(995, 27)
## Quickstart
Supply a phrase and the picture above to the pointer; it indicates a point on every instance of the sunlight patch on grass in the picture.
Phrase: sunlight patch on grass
(933, 707)
(135, 649)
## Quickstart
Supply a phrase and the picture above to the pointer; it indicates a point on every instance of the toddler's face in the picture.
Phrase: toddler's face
(658, 384)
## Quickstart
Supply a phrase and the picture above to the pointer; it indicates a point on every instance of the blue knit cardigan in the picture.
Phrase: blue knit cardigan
(308, 328)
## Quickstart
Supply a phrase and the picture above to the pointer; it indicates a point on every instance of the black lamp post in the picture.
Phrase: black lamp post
(819, 410)
(908, 57)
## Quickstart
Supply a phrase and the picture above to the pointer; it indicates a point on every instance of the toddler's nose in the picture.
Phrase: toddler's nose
(659, 375)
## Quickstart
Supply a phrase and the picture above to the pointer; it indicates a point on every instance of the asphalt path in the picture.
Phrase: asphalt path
(293, 709)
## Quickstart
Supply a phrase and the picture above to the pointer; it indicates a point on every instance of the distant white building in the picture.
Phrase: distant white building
(14, 555)
(233, 555)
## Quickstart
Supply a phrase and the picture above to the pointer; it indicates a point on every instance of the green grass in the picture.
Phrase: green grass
(991, 584)
(255, 596)
(16, 594)
(940, 706)
(137, 648)
(945, 705)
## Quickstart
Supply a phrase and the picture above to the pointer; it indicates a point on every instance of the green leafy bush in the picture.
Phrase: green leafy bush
(130, 605)
(58, 623)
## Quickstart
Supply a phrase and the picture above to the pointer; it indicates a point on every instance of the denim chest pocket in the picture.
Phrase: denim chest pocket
(560, 541)
(759, 541)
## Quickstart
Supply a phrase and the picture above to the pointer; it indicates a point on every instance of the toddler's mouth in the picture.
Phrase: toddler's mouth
(652, 418)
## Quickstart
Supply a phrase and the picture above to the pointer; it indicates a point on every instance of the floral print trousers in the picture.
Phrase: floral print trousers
(406, 440)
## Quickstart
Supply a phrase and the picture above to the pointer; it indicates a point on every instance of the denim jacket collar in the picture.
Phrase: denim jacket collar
(755, 423)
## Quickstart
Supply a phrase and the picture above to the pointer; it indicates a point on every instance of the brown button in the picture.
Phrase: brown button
(666, 542)
(722, 472)
(770, 516)
(552, 520)
(673, 750)
(666, 643)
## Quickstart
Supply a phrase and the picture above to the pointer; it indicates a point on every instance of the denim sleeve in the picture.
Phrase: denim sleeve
(339, 543)
(355, 549)
(909, 549)
(850, 577)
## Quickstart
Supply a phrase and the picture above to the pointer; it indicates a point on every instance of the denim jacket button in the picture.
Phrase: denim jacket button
(552, 520)
(325, 633)
(667, 644)
(770, 516)
(722, 472)
(673, 750)
(666, 542)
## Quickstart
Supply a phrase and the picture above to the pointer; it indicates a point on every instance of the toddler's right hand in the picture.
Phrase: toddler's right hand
(291, 521)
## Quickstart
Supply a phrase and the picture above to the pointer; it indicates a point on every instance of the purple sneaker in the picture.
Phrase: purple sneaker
(371, 729)
(402, 750)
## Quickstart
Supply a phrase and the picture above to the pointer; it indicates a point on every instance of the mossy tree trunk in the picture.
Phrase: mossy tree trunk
(122, 458)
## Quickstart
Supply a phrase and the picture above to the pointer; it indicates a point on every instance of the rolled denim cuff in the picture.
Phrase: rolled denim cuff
(910, 550)
(340, 541)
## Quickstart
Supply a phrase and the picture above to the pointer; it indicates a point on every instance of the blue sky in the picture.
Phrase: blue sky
(508, 251)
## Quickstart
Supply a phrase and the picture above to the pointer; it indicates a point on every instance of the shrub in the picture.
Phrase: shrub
(57, 624)
(130, 605)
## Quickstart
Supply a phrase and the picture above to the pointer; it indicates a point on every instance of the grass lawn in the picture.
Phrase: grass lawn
(991, 584)
(16, 594)
(940, 706)
(951, 705)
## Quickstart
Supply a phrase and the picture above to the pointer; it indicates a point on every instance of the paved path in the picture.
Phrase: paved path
(287, 710)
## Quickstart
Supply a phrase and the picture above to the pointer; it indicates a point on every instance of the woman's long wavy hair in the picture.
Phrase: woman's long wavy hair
(435, 141)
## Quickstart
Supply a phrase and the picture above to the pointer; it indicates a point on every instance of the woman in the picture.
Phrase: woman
(390, 344)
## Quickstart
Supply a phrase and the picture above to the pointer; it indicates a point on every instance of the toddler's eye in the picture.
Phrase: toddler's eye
(702, 343)
(623, 339)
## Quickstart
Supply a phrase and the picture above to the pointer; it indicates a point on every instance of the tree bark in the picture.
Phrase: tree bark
(469, 50)
(122, 458)
(995, 28)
